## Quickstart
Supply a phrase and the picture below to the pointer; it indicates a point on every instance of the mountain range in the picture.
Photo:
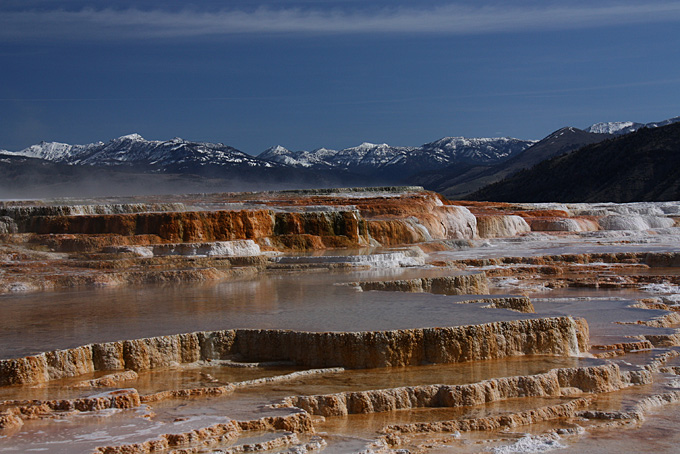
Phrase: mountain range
(455, 166)
(178, 155)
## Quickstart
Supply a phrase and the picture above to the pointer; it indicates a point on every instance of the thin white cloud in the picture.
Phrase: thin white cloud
(453, 19)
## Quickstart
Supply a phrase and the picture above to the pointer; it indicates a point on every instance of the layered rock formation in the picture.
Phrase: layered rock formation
(596, 379)
(8, 225)
(501, 226)
(235, 248)
(572, 224)
(618, 222)
(403, 257)
(17, 412)
(298, 422)
(652, 259)
(463, 284)
(542, 414)
(552, 336)
(173, 222)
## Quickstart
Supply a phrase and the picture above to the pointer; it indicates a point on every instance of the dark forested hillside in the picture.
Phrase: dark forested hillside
(642, 166)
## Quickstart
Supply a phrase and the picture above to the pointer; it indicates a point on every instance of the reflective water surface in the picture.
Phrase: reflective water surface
(305, 302)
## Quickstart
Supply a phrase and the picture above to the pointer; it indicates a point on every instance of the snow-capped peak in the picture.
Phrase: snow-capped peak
(562, 131)
(324, 150)
(133, 150)
(276, 150)
(369, 145)
(625, 127)
(614, 127)
(133, 137)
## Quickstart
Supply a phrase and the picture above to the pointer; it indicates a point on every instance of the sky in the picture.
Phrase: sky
(311, 74)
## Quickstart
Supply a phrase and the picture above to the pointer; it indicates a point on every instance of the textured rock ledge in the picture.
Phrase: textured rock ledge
(541, 414)
(638, 411)
(234, 248)
(563, 336)
(17, 411)
(464, 284)
(348, 219)
(13, 412)
(298, 422)
(494, 226)
(594, 379)
(514, 303)
(652, 259)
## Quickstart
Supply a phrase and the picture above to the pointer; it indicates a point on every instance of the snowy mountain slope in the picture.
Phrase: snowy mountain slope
(624, 127)
(56, 151)
(614, 127)
(365, 155)
(476, 150)
(369, 157)
(319, 158)
(133, 150)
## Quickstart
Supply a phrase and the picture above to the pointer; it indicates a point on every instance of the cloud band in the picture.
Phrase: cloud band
(449, 19)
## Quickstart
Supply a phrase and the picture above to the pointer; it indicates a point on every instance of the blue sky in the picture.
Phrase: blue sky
(307, 74)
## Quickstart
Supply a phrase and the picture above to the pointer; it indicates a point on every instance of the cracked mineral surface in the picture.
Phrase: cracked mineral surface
(338, 321)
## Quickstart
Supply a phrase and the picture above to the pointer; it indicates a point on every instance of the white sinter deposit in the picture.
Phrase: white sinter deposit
(235, 248)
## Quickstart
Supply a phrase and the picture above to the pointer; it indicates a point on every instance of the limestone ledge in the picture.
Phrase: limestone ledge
(661, 360)
(498, 226)
(514, 303)
(495, 422)
(651, 259)
(299, 422)
(564, 336)
(26, 211)
(663, 321)
(285, 440)
(625, 346)
(349, 220)
(555, 383)
(638, 411)
(620, 349)
(208, 226)
(233, 248)
(17, 411)
(664, 340)
(463, 284)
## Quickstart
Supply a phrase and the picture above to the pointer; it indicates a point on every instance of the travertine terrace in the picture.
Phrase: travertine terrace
(344, 320)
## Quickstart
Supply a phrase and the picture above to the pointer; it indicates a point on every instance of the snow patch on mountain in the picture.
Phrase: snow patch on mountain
(477, 150)
(133, 149)
(318, 158)
(614, 127)
(625, 127)
(443, 152)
